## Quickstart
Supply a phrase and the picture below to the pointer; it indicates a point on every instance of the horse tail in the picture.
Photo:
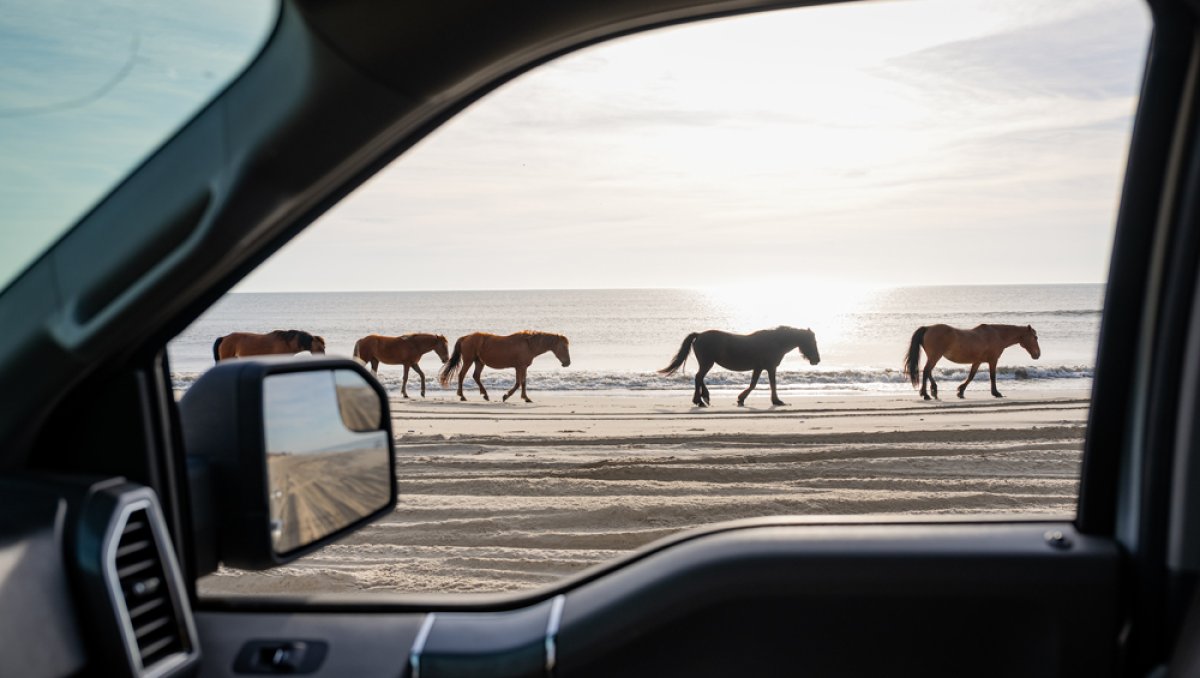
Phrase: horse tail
(681, 357)
(217, 350)
(357, 354)
(913, 357)
(451, 367)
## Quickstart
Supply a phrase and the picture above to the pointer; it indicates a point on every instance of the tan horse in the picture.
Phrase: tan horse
(242, 344)
(515, 350)
(983, 344)
(404, 350)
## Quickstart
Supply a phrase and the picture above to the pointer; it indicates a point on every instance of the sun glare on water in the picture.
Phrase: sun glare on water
(824, 307)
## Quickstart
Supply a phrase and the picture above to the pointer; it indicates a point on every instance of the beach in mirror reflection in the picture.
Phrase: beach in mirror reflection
(327, 464)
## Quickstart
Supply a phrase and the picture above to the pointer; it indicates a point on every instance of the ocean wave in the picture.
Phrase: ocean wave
(819, 379)
(972, 317)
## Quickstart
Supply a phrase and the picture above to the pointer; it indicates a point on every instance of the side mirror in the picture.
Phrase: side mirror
(284, 455)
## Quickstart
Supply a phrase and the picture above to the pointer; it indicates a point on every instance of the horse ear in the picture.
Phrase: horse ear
(1029, 327)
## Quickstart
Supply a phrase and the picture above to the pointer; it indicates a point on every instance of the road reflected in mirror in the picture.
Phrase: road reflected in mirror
(327, 459)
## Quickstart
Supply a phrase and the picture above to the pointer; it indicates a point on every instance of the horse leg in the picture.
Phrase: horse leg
(963, 386)
(701, 389)
(478, 377)
(375, 367)
(753, 382)
(417, 369)
(521, 377)
(771, 378)
(992, 371)
(927, 375)
(516, 385)
(404, 383)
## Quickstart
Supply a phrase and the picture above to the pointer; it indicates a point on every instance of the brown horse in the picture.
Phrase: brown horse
(242, 344)
(515, 350)
(762, 350)
(404, 350)
(983, 344)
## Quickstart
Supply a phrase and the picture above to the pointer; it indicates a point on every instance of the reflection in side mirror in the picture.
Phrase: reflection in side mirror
(325, 452)
(357, 402)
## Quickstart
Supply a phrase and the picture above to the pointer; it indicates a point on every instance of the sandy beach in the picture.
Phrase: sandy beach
(505, 496)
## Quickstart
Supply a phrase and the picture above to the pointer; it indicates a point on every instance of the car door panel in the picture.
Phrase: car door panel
(357, 644)
(981, 599)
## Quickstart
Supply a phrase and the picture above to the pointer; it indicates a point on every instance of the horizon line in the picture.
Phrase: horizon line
(644, 289)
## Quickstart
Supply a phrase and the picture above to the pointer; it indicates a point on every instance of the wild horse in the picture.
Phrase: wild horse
(762, 350)
(404, 350)
(983, 343)
(501, 352)
(242, 344)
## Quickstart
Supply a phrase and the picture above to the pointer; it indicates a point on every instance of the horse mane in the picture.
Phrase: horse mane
(543, 337)
(304, 339)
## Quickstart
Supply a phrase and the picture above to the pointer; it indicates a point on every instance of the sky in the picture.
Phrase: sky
(302, 415)
(878, 144)
(897, 142)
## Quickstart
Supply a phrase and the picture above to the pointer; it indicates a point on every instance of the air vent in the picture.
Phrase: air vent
(145, 592)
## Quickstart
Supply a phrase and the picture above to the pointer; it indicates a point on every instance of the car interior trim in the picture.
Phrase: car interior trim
(552, 626)
(418, 646)
(166, 666)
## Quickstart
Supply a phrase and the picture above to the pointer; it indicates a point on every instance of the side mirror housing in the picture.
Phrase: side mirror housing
(284, 456)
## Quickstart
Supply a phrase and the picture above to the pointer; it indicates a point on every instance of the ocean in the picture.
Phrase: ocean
(620, 337)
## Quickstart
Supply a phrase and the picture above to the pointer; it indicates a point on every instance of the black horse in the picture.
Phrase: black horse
(762, 350)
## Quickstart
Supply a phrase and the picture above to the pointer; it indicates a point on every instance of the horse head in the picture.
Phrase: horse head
(442, 348)
(561, 350)
(1029, 342)
(808, 346)
(308, 342)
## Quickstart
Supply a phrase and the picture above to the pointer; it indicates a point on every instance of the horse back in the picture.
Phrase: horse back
(962, 346)
(497, 351)
(736, 352)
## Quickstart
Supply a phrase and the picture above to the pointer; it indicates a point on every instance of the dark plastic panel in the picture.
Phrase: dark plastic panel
(853, 601)
(487, 644)
(360, 645)
(39, 629)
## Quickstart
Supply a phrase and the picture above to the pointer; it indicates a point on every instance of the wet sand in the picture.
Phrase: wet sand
(506, 496)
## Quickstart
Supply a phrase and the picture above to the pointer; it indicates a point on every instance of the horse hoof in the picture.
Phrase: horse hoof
(960, 395)
(741, 403)
(487, 398)
(997, 394)
(926, 397)
(528, 400)
(404, 394)
(778, 403)
(463, 398)
(504, 399)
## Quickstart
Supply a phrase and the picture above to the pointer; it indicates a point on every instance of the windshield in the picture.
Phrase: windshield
(717, 272)
(89, 90)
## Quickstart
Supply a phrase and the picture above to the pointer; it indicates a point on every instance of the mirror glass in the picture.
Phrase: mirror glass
(327, 457)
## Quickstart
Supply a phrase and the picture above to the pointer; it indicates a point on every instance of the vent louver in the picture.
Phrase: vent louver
(144, 590)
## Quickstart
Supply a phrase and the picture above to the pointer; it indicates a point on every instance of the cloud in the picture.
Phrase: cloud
(824, 140)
